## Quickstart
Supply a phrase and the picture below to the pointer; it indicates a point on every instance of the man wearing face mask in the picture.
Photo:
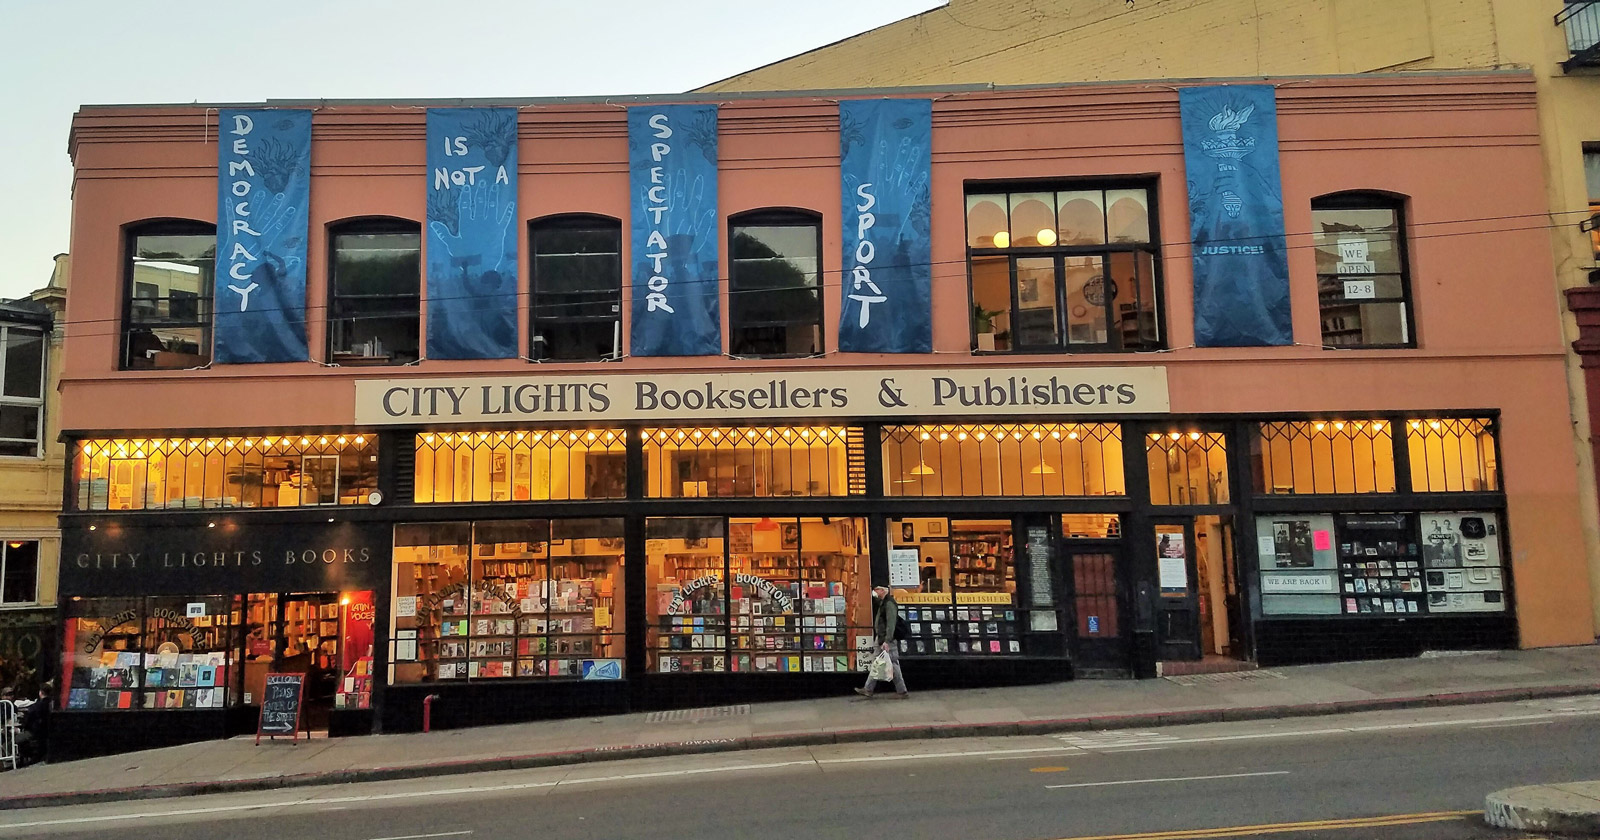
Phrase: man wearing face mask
(886, 630)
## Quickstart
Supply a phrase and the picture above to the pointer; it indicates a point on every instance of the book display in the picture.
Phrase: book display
(789, 604)
(1461, 562)
(965, 603)
(151, 653)
(1380, 567)
(517, 601)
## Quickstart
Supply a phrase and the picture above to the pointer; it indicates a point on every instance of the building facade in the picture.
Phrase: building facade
(1051, 42)
(31, 461)
(1062, 471)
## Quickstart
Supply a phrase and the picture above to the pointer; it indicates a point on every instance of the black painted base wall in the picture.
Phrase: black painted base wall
(1312, 641)
(75, 735)
(487, 704)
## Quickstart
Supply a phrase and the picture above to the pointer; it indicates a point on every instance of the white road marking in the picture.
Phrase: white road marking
(425, 836)
(1132, 749)
(1509, 725)
(1171, 779)
(919, 756)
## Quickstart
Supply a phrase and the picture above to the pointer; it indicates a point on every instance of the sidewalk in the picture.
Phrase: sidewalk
(235, 765)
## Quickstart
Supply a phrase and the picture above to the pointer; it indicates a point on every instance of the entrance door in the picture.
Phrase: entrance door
(308, 636)
(1098, 598)
(1177, 610)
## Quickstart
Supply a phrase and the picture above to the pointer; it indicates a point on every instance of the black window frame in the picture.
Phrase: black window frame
(205, 311)
(538, 349)
(787, 217)
(371, 226)
(1370, 200)
(1059, 253)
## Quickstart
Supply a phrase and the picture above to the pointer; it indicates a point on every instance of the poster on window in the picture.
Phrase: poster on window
(1172, 560)
(263, 198)
(472, 233)
(1241, 269)
(885, 157)
(672, 183)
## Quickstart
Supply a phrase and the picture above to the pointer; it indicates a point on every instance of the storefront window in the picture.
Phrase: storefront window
(785, 595)
(1453, 455)
(225, 472)
(965, 601)
(1187, 468)
(1031, 459)
(1324, 456)
(733, 461)
(528, 598)
(502, 466)
(149, 653)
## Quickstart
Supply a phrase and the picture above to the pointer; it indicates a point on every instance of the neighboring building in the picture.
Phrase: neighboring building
(1063, 41)
(616, 528)
(31, 469)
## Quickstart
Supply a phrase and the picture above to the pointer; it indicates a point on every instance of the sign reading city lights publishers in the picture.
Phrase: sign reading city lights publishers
(985, 392)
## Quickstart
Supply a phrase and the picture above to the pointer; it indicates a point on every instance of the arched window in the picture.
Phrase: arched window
(775, 284)
(374, 291)
(1363, 281)
(169, 272)
(576, 312)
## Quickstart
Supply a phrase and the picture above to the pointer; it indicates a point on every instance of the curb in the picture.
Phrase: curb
(802, 739)
(1557, 809)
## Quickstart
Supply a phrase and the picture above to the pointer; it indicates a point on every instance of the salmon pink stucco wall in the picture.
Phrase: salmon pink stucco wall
(1456, 147)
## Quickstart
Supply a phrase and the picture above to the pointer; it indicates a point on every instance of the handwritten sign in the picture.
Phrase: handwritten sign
(280, 706)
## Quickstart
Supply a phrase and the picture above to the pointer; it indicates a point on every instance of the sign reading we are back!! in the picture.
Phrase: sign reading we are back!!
(986, 392)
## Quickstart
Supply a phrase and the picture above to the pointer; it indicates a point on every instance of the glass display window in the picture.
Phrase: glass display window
(224, 472)
(965, 601)
(168, 652)
(758, 594)
(526, 598)
(102, 649)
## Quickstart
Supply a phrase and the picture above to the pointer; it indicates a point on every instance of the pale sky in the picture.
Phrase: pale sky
(59, 54)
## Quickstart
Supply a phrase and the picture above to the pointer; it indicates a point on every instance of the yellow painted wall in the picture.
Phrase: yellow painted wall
(30, 488)
(1019, 42)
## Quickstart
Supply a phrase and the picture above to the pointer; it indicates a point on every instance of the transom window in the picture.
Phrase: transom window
(22, 355)
(169, 274)
(1362, 281)
(1003, 459)
(774, 293)
(577, 288)
(374, 297)
(224, 472)
(735, 461)
(1063, 270)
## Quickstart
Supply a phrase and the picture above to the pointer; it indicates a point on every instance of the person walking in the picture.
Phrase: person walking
(886, 630)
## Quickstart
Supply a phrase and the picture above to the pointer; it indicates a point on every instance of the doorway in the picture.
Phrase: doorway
(1201, 614)
(1095, 577)
(295, 633)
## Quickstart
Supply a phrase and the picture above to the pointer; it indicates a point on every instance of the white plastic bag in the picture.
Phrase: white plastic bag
(882, 667)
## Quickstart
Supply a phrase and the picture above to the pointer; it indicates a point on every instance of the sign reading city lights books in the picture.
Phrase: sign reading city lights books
(988, 392)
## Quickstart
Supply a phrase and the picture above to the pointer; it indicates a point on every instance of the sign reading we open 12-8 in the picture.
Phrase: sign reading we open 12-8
(821, 394)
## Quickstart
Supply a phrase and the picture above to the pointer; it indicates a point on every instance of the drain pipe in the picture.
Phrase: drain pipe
(427, 711)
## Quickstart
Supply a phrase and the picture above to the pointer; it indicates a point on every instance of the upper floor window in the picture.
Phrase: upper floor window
(1063, 270)
(374, 292)
(1591, 175)
(1362, 280)
(577, 288)
(19, 572)
(774, 285)
(169, 272)
(21, 389)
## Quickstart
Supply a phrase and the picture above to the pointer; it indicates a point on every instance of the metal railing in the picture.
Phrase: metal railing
(9, 728)
(1581, 20)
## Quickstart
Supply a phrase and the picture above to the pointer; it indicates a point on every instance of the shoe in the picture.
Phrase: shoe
(864, 693)
(901, 695)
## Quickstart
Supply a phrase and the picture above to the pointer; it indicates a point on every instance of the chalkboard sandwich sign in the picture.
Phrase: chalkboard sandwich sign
(280, 706)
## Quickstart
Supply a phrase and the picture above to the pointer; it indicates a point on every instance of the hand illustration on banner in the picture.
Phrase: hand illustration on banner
(474, 226)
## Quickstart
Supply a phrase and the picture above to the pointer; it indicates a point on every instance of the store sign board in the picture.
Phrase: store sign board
(121, 559)
(1291, 583)
(989, 392)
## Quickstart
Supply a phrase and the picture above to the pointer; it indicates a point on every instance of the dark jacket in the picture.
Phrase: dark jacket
(885, 614)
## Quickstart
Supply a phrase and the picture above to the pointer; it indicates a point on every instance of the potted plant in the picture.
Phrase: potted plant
(983, 319)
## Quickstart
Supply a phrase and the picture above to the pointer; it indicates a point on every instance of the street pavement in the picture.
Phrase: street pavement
(237, 764)
(1392, 775)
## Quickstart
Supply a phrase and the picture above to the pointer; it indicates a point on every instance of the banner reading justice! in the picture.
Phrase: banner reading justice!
(263, 198)
(1241, 271)
(885, 156)
(672, 176)
(472, 233)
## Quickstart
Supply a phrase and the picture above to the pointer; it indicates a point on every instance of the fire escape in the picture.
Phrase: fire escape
(1581, 20)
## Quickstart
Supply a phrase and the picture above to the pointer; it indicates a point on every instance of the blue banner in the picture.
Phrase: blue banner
(472, 233)
(885, 159)
(263, 198)
(672, 177)
(1241, 269)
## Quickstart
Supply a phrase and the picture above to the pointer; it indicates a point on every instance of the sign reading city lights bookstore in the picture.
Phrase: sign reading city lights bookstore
(986, 392)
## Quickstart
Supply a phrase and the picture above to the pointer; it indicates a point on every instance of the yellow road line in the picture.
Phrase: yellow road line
(1283, 828)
